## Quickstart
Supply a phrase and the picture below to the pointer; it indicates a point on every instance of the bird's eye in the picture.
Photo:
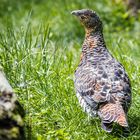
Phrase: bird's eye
(83, 17)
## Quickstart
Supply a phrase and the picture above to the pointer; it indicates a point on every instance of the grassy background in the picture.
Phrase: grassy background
(40, 45)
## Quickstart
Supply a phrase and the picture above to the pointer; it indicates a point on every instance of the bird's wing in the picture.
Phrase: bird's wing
(90, 86)
(104, 85)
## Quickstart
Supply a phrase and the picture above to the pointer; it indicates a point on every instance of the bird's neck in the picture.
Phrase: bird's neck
(94, 39)
(93, 44)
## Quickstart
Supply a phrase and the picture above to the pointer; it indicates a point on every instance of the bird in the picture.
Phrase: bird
(102, 86)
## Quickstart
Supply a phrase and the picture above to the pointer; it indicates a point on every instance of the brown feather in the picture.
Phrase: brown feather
(113, 113)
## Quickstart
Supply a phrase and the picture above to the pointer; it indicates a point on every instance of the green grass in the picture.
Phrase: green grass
(40, 45)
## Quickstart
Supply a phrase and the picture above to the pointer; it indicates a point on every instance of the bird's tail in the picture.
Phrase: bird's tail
(110, 113)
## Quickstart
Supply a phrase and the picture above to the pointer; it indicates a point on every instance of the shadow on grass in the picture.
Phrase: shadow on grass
(133, 130)
(134, 122)
(121, 132)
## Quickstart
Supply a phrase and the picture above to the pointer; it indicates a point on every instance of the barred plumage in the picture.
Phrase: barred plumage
(102, 85)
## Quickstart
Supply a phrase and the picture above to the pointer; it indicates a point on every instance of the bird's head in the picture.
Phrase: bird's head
(89, 19)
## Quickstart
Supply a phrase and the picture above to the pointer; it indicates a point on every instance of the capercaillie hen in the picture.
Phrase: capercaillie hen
(102, 85)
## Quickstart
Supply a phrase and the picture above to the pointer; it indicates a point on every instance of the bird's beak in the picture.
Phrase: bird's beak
(76, 12)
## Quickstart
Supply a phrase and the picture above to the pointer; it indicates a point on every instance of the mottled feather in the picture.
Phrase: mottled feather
(102, 85)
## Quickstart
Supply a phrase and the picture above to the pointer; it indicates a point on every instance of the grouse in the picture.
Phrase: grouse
(102, 85)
